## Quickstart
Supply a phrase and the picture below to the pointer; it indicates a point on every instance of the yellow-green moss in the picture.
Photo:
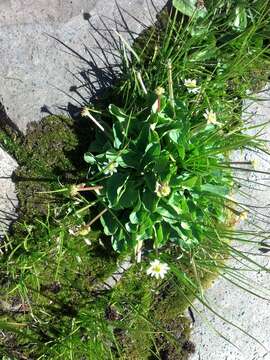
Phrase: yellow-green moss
(51, 151)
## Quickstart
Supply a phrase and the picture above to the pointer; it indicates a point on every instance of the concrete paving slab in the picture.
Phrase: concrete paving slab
(249, 312)
(8, 200)
(36, 71)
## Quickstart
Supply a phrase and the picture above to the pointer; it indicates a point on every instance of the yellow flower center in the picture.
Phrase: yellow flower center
(157, 269)
(112, 166)
(191, 84)
(159, 91)
(84, 230)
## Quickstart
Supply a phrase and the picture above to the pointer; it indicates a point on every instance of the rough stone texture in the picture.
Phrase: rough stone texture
(37, 72)
(249, 312)
(8, 200)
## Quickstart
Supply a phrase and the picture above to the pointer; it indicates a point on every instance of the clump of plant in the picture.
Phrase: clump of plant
(163, 167)
(163, 172)
(162, 152)
(160, 180)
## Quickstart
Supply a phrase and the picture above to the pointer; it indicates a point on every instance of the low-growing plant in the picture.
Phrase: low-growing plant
(164, 172)
(161, 182)
(163, 165)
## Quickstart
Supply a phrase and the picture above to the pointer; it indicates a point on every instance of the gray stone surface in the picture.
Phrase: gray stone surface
(8, 200)
(36, 71)
(249, 312)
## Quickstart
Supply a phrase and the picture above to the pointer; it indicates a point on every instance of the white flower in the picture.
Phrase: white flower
(110, 168)
(157, 269)
(162, 189)
(191, 86)
(211, 117)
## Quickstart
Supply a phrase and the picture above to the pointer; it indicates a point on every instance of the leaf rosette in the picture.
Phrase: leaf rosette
(158, 176)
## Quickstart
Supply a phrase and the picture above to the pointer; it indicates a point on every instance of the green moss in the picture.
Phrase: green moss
(49, 154)
(153, 313)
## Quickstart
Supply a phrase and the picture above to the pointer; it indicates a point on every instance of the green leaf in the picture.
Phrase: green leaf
(240, 20)
(131, 228)
(177, 137)
(150, 200)
(145, 232)
(180, 238)
(188, 7)
(215, 189)
(119, 241)
(175, 202)
(184, 206)
(169, 214)
(129, 159)
(204, 54)
(151, 181)
(129, 196)
(90, 158)
(115, 187)
(190, 182)
(139, 215)
(118, 113)
(152, 152)
(162, 165)
(143, 139)
(100, 144)
(109, 224)
(117, 135)
(160, 239)
(112, 155)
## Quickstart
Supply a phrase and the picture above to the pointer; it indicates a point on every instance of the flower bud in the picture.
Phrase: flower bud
(162, 189)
